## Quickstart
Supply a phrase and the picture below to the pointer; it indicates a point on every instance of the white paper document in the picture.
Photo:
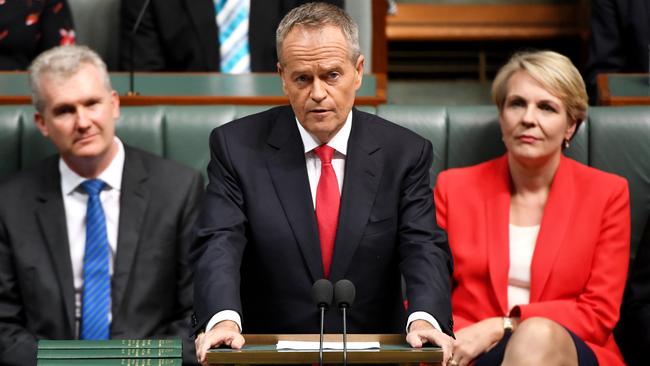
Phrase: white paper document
(302, 345)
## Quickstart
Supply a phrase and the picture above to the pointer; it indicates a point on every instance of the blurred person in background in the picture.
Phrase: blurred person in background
(29, 27)
(231, 36)
(620, 40)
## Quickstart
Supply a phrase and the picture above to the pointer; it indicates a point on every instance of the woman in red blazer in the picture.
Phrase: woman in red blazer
(540, 242)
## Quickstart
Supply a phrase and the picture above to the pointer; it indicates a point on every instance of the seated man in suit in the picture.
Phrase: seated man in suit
(274, 222)
(93, 241)
(189, 35)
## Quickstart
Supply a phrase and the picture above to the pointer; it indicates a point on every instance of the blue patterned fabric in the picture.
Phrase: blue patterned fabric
(95, 307)
(232, 18)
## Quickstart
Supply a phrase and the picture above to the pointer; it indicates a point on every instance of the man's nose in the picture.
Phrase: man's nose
(83, 118)
(318, 91)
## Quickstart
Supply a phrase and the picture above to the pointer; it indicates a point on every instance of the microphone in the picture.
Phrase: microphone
(136, 25)
(321, 293)
(344, 293)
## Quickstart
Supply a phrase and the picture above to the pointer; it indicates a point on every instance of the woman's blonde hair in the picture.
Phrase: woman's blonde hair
(554, 71)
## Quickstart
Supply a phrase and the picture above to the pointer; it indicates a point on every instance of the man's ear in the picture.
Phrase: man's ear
(40, 123)
(359, 69)
(115, 102)
(281, 73)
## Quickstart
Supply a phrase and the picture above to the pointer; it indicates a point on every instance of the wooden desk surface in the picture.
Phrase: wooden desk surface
(479, 22)
(623, 89)
(260, 349)
(195, 88)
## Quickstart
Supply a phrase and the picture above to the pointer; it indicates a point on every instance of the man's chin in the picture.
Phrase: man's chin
(87, 152)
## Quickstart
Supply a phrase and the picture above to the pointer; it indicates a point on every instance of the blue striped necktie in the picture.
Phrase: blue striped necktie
(232, 18)
(95, 306)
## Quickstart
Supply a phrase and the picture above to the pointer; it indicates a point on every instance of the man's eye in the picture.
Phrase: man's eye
(334, 75)
(63, 111)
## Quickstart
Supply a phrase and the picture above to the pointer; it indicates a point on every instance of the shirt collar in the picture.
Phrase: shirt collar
(339, 142)
(112, 175)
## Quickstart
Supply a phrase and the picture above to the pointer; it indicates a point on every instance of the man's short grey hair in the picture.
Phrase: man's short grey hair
(60, 63)
(317, 15)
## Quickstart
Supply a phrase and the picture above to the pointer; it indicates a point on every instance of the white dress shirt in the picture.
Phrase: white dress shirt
(75, 201)
(340, 145)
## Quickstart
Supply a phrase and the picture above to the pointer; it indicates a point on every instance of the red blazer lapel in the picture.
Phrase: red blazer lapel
(497, 216)
(555, 222)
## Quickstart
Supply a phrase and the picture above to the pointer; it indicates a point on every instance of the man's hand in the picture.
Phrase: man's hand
(421, 332)
(224, 333)
(476, 339)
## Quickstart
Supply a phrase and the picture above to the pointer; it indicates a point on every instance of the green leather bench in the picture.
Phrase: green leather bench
(615, 139)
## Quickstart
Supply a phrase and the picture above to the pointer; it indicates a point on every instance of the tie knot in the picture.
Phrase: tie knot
(93, 186)
(325, 153)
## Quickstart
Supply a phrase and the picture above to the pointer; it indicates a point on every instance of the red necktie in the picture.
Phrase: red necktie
(327, 205)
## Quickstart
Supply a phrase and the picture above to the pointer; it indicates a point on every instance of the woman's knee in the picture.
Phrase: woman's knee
(540, 340)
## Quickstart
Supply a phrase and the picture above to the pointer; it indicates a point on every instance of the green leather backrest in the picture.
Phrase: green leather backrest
(619, 142)
(430, 122)
(613, 139)
(10, 129)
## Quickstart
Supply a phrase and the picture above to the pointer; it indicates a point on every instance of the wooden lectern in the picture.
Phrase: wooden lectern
(260, 349)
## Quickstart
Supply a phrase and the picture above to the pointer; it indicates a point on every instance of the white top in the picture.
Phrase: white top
(75, 201)
(522, 246)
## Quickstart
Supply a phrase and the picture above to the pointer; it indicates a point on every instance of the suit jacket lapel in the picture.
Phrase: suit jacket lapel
(555, 223)
(134, 198)
(363, 169)
(51, 219)
(288, 170)
(497, 217)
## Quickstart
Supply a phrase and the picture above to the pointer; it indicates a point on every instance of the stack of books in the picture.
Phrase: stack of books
(114, 352)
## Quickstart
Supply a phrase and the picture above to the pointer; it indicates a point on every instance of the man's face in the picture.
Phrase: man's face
(319, 78)
(79, 115)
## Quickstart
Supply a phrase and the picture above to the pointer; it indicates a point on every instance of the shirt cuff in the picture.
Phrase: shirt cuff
(421, 315)
(225, 315)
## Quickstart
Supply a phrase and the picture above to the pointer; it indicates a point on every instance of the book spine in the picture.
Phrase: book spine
(110, 353)
(113, 362)
(112, 343)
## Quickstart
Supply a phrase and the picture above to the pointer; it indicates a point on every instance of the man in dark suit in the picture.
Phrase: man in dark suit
(620, 36)
(182, 35)
(148, 206)
(633, 330)
(273, 222)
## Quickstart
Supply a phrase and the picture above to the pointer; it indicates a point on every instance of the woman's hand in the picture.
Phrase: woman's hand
(476, 339)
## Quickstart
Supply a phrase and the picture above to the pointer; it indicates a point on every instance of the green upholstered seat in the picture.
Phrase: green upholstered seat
(614, 139)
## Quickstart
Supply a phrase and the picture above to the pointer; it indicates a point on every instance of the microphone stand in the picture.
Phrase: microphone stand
(345, 338)
(344, 293)
(322, 335)
(136, 25)
(322, 292)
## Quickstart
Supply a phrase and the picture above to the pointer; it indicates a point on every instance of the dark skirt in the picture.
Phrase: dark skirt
(586, 356)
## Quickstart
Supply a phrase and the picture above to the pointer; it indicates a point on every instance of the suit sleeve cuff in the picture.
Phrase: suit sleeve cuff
(421, 315)
(224, 315)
